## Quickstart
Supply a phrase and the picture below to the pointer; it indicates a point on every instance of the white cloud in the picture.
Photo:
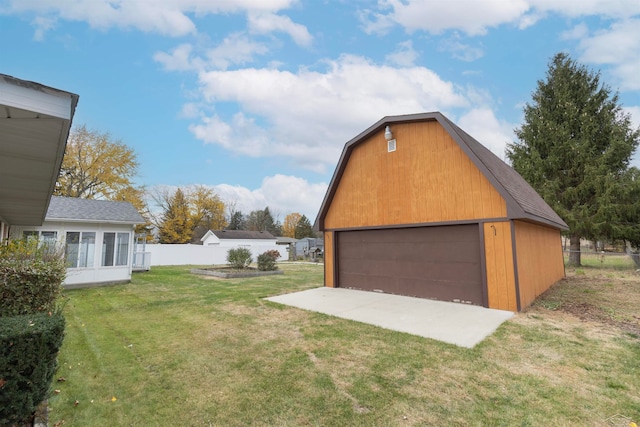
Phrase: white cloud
(460, 50)
(236, 49)
(375, 23)
(482, 124)
(634, 112)
(578, 32)
(283, 194)
(168, 17)
(265, 22)
(42, 24)
(618, 46)
(308, 116)
(404, 56)
(179, 59)
(475, 17)
(573, 9)
(472, 17)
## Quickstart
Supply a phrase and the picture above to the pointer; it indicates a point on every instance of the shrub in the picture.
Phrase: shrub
(239, 258)
(31, 276)
(29, 347)
(267, 260)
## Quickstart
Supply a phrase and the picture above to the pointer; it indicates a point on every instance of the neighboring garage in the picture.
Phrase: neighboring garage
(418, 207)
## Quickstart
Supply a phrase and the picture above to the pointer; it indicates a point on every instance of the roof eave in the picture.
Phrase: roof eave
(534, 218)
(58, 106)
(93, 221)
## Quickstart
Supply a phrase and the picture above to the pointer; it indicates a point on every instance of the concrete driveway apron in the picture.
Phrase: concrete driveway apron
(454, 323)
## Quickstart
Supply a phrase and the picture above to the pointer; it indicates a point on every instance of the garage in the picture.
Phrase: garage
(440, 263)
(418, 207)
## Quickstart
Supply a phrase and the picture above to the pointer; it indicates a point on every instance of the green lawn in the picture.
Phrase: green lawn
(174, 349)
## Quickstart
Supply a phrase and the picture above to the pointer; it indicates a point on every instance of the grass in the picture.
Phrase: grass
(172, 348)
(612, 261)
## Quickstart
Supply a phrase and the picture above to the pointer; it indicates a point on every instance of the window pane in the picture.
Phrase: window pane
(71, 249)
(87, 249)
(49, 235)
(108, 247)
(49, 238)
(123, 249)
(29, 233)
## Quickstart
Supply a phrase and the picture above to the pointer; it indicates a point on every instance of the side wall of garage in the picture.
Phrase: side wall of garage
(539, 259)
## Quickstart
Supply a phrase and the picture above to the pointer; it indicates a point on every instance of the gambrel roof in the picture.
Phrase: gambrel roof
(523, 202)
(89, 210)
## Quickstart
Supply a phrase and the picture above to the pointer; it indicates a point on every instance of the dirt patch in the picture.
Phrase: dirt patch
(605, 297)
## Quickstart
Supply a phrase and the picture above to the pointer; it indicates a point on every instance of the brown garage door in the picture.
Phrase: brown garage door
(429, 262)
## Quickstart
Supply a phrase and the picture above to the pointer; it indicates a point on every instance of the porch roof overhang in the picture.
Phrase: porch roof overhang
(34, 126)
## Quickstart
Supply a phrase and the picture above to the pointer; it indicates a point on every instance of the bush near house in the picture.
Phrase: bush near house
(31, 276)
(29, 347)
(239, 258)
(267, 260)
(31, 328)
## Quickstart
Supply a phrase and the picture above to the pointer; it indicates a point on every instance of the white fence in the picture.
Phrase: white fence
(187, 254)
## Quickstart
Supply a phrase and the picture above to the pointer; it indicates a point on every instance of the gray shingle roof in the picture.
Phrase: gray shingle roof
(523, 202)
(513, 183)
(242, 234)
(75, 209)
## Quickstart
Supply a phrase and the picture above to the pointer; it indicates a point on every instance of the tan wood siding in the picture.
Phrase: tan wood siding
(501, 287)
(329, 259)
(427, 179)
(539, 258)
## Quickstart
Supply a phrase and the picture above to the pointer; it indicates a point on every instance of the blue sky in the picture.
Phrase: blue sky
(256, 98)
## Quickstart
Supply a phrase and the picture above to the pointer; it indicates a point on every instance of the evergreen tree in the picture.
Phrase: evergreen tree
(262, 220)
(304, 228)
(574, 148)
(236, 221)
(176, 226)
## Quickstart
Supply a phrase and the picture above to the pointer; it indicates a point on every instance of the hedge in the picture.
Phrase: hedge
(29, 346)
(31, 277)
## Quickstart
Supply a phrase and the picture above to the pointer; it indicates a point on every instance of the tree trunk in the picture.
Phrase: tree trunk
(634, 253)
(574, 250)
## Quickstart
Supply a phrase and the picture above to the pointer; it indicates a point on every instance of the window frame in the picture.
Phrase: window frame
(85, 253)
(115, 249)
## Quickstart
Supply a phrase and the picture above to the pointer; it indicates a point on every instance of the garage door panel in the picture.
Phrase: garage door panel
(446, 271)
(430, 262)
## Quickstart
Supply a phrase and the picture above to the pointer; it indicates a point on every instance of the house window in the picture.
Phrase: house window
(46, 237)
(30, 234)
(115, 249)
(80, 249)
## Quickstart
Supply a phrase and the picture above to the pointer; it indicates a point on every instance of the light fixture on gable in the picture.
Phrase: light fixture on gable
(391, 143)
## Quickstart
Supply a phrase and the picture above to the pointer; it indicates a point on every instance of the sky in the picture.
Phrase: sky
(257, 98)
